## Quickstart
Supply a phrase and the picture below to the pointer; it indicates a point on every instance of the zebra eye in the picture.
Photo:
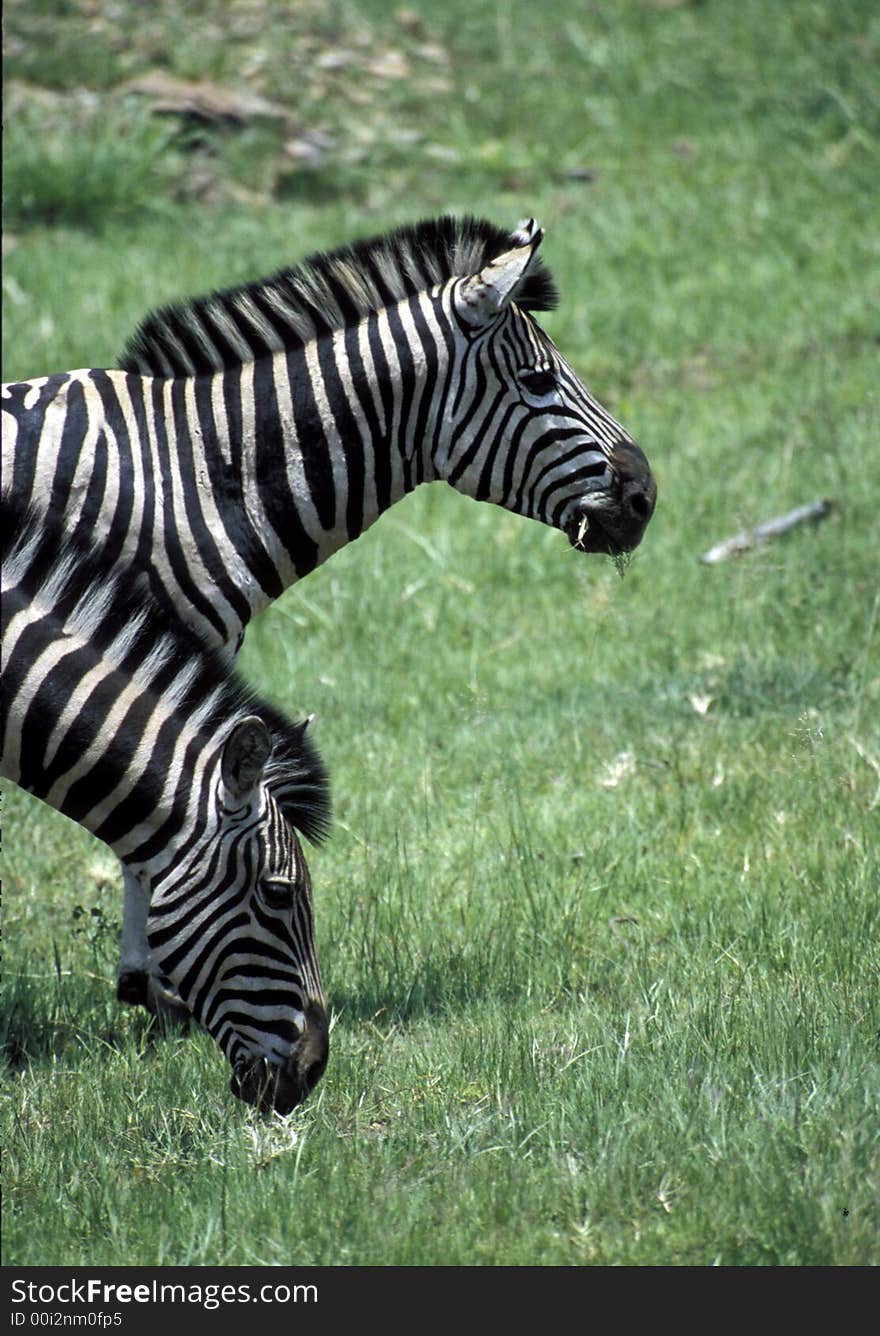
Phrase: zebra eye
(538, 383)
(277, 891)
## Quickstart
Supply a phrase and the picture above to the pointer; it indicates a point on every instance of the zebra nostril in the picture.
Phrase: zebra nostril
(639, 505)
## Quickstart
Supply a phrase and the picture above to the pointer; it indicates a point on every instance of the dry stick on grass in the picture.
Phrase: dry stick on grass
(741, 542)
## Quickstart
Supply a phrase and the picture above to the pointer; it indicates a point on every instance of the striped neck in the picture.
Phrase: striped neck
(304, 450)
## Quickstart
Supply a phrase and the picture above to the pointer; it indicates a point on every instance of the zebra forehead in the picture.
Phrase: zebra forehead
(330, 290)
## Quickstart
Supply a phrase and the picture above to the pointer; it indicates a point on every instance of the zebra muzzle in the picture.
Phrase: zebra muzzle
(254, 1081)
(613, 529)
(613, 520)
(281, 1088)
(270, 1088)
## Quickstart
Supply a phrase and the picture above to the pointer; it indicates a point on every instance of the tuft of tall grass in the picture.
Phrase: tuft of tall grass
(81, 169)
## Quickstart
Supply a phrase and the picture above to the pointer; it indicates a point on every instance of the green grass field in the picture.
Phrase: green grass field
(598, 920)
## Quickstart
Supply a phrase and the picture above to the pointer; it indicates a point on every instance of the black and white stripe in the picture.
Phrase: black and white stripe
(119, 717)
(250, 434)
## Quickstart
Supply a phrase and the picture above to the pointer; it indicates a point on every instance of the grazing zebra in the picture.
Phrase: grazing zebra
(250, 434)
(119, 717)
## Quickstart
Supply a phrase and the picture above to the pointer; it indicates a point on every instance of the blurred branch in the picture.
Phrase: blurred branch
(749, 538)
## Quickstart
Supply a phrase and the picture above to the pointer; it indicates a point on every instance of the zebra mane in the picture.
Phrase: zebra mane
(329, 291)
(115, 614)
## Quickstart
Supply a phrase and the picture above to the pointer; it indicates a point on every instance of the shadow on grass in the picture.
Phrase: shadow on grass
(40, 1020)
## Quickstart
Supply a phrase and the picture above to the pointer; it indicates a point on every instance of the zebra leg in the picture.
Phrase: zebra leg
(135, 981)
(132, 977)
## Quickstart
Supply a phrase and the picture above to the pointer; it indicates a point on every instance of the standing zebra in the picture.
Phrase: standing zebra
(250, 434)
(119, 717)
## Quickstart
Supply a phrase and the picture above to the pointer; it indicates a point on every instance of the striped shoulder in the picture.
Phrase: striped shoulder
(328, 291)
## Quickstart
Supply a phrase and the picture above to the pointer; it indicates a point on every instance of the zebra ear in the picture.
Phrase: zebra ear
(245, 753)
(483, 296)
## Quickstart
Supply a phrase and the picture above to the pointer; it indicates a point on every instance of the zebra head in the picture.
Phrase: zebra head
(564, 459)
(231, 928)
